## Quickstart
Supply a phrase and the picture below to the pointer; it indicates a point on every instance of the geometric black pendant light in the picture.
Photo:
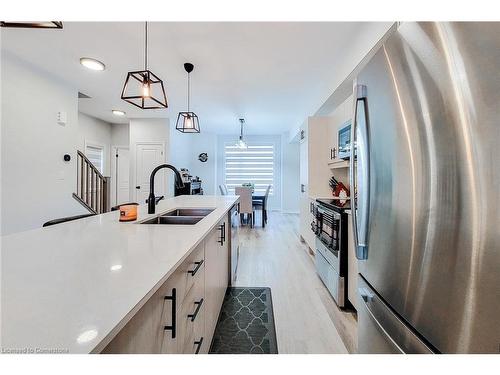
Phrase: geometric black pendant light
(187, 122)
(143, 88)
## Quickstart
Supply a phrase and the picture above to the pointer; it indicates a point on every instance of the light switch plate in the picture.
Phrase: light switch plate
(62, 118)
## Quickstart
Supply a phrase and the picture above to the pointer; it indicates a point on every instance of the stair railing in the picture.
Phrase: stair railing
(92, 189)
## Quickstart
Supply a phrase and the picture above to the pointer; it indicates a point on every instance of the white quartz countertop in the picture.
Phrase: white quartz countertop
(71, 287)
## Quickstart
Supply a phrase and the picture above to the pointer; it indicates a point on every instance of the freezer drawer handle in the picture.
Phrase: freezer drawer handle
(198, 307)
(198, 265)
(172, 327)
(366, 295)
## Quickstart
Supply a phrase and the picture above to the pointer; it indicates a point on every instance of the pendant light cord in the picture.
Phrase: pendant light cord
(146, 46)
(189, 90)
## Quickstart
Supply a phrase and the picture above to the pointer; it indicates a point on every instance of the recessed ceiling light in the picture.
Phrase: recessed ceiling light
(116, 267)
(92, 63)
(117, 112)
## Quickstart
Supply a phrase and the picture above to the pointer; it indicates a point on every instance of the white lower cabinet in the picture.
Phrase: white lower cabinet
(180, 318)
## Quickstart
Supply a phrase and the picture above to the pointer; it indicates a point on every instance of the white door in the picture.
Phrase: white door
(121, 175)
(148, 156)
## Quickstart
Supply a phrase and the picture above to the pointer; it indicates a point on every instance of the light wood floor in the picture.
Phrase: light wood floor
(304, 312)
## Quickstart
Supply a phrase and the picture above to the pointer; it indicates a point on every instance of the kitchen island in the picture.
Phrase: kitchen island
(87, 285)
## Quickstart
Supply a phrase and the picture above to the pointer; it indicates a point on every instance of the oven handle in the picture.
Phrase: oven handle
(361, 182)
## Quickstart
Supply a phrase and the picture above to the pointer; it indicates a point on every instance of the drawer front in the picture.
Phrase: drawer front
(197, 344)
(192, 313)
(190, 308)
(188, 273)
(200, 342)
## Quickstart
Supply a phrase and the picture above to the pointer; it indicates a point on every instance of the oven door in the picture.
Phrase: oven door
(328, 228)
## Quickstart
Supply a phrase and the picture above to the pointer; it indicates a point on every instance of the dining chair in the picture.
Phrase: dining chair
(261, 204)
(246, 206)
(223, 189)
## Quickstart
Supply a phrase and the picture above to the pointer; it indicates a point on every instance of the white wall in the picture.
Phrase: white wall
(37, 184)
(120, 135)
(290, 170)
(94, 131)
(149, 130)
(184, 151)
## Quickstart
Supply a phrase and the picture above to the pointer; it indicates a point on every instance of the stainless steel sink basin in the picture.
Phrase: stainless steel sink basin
(189, 212)
(174, 220)
(180, 216)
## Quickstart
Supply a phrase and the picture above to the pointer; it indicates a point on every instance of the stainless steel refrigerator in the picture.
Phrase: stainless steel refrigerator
(427, 172)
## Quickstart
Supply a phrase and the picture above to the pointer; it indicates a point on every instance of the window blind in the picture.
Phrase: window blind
(254, 164)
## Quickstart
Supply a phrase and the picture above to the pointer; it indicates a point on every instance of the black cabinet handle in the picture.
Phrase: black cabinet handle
(198, 265)
(137, 187)
(198, 307)
(172, 327)
(198, 345)
(222, 238)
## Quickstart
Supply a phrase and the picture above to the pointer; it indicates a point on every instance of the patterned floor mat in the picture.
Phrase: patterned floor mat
(246, 323)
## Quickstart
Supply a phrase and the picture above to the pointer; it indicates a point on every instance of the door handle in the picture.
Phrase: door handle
(173, 326)
(138, 187)
(360, 182)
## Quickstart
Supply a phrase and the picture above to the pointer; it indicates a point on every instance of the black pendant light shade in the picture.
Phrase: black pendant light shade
(143, 88)
(187, 122)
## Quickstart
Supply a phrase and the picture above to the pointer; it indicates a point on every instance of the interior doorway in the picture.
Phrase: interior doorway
(148, 156)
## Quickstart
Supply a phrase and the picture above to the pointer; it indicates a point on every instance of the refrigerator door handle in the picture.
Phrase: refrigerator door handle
(360, 182)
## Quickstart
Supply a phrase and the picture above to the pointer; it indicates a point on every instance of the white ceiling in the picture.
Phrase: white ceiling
(272, 74)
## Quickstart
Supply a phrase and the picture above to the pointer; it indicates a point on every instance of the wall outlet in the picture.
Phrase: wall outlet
(62, 118)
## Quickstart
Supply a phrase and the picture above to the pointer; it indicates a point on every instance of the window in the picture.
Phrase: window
(96, 156)
(254, 164)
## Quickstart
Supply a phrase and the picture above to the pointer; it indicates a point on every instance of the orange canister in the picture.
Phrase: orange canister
(128, 212)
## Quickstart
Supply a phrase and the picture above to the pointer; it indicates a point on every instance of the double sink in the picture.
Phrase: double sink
(180, 216)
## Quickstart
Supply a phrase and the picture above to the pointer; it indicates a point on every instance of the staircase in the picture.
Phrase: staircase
(92, 189)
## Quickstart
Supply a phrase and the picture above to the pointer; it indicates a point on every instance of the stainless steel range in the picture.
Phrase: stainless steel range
(330, 227)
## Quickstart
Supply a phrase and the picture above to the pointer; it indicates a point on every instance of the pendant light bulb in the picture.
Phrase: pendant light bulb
(146, 89)
(188, 124)
(241, 143)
